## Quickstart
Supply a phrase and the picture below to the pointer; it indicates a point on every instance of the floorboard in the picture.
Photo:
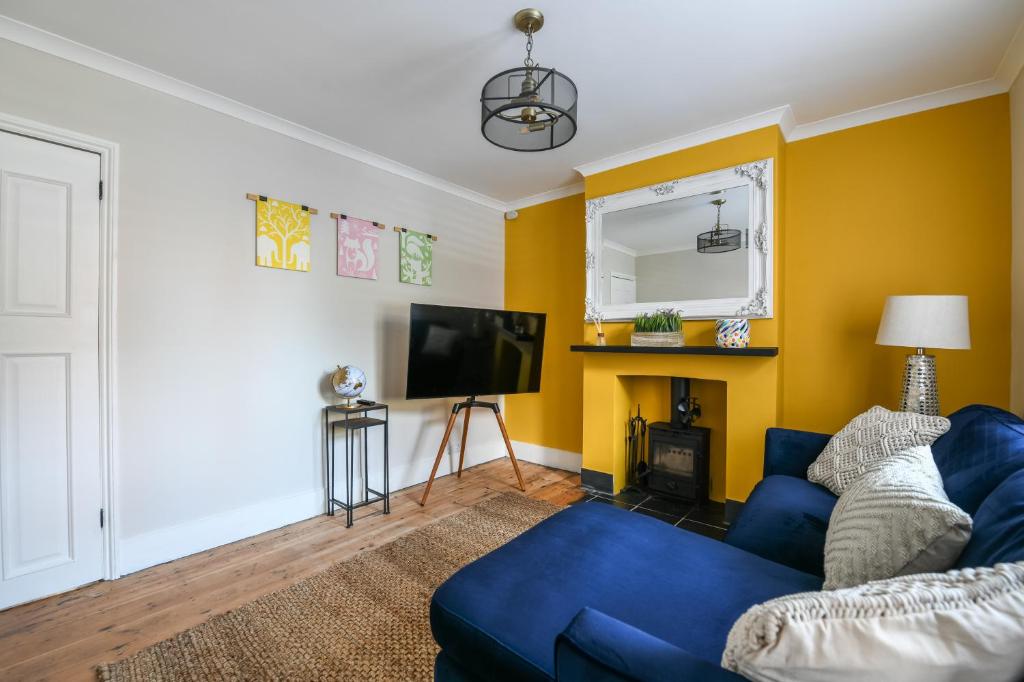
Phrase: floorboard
(66, 636)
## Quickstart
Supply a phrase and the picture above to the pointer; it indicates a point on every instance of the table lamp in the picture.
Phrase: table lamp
(923, 322)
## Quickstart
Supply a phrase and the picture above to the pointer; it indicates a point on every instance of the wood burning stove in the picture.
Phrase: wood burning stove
(678, 453)
(678, 461)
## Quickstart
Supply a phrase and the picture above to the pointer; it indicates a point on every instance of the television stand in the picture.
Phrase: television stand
(468, 406)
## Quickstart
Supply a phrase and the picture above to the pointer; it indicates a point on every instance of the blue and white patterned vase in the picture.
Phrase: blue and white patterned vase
(732, 333)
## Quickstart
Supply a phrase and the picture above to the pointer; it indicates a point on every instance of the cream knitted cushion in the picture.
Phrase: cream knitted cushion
(894, 520)
(929, 627)
(868, 439)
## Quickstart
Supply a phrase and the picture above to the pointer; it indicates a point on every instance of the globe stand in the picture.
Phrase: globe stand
(468, 406)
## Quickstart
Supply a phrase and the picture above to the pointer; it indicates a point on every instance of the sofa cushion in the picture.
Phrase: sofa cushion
(499, 616)
(785, 520)
(998, 526)
(894, 520)
(980, 455)
(867, 440)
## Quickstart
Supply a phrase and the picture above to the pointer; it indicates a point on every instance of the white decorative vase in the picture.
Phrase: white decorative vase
(657, 339)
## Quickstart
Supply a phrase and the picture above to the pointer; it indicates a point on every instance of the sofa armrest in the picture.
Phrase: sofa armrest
(788, 452)
(597, 648)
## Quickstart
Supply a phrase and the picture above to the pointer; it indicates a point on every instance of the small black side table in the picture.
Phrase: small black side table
(355, 420)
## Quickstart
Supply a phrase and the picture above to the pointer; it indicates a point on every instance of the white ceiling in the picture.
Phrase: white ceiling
(674, 225)
(402, 78)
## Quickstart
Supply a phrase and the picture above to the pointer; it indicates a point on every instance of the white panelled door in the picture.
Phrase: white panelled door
(623, 289)
(50, 470)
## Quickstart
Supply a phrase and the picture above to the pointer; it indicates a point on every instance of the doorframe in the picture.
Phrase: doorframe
(109, 153)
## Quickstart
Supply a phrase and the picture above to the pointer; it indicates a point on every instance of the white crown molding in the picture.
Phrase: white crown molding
(622, 248)
(902, 107)
(764, 119)
(550, 195)
(58, 46)
(787, 122)
(1013, 60)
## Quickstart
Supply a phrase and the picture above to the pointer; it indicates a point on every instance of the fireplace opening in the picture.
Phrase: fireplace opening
(679, 453)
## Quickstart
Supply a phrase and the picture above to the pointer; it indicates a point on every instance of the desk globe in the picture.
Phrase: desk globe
(348, 382)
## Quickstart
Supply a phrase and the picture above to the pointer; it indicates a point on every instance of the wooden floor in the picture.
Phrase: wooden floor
(66, 636)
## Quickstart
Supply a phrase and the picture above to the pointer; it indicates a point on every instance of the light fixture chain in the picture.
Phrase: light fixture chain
(528, 62)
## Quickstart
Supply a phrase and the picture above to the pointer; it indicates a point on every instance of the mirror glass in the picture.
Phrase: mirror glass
(649, 253)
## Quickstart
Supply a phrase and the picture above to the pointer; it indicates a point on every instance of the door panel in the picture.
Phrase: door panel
(35, 464)
(51, 484)
(36, 231)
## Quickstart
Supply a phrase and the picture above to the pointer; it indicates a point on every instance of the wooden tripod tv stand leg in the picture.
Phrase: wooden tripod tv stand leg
(468, 406)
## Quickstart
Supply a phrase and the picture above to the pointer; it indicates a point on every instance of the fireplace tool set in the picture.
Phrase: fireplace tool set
(636, 451)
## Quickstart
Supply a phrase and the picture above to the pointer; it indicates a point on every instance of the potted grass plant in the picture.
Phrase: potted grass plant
(660, 328)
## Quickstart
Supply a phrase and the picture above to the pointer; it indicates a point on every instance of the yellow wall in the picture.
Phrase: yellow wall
(1017, 272)
(912, 205)
(544, 273)
(918, 204)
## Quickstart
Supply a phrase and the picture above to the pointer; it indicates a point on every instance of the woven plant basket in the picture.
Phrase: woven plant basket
(657, 339)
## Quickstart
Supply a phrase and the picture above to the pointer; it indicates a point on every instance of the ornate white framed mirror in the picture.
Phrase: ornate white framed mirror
(701, 245)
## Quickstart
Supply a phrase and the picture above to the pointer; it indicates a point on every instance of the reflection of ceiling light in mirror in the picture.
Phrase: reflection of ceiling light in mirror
(720, 239)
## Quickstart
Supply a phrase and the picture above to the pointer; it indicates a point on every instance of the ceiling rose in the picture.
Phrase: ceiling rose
(529, 108)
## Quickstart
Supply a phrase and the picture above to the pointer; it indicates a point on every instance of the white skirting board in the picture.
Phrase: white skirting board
(199, 535)
(549, 457)
(183, 539)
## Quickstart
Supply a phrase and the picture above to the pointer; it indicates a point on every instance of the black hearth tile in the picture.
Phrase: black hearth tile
(667, 518)
(667, 505)
(601, 499)
(702, 528)
(584, 498)
(631, 497)
(713, 514)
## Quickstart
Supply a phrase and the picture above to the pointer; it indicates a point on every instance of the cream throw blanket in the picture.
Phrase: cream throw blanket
(960, 626)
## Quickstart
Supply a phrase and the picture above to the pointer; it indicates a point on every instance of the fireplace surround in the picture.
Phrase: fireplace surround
(739, 395)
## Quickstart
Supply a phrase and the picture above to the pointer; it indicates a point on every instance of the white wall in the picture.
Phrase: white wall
(686, 274)
(1017, 347)
(220, 362)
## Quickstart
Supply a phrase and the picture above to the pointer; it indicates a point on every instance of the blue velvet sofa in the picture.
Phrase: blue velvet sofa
(599, 593)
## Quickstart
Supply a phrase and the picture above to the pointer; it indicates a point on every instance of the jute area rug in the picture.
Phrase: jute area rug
(366, 618)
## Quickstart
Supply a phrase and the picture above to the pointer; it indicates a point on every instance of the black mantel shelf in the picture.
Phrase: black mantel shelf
(758, 351)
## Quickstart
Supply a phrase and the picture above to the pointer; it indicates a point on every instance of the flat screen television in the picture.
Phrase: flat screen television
(461, 352)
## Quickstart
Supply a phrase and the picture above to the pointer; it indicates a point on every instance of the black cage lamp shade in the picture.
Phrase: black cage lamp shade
(529, 109)
(719, 239)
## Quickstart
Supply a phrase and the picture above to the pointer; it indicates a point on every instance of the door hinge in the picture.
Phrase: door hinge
(101, 190)
(101, 518)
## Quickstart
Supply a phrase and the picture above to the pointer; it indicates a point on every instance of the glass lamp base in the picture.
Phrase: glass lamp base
(920, 390)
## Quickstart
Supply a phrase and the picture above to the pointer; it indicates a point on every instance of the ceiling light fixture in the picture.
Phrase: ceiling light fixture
(720, 239)
(528, 108)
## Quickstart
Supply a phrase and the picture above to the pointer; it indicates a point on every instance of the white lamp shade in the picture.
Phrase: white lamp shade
(925, 322)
